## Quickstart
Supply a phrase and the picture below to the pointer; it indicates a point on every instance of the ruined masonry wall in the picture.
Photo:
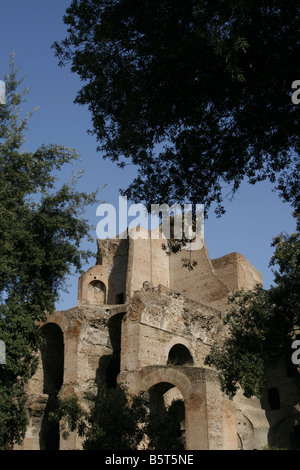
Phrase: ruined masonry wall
(165, 309)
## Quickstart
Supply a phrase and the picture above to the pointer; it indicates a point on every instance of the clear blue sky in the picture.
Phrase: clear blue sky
(29, 28)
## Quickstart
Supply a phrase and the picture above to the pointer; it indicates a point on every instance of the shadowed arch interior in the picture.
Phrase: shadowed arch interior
(52, 353)
(97, 292)
(179, 355)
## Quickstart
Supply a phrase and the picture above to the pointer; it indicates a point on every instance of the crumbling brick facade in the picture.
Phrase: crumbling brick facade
(146, 321)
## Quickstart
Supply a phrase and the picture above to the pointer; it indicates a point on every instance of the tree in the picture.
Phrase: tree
(111, 422)
(41, 229)
(197, 94)
(262, 324)
(116, 421)
(163, 430)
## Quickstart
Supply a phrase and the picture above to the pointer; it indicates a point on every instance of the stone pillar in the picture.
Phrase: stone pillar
(230, 437)
(196, 423)
(210, 417)
(221, 423)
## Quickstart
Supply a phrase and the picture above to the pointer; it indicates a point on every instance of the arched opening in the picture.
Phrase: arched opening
(167, 413)
(179, 355)
(113, 369)
(52, 353)
(274, 398)
(96, 292)
(160, 380)
(109, 365)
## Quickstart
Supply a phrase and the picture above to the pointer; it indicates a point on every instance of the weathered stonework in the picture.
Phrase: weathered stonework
(145, 321)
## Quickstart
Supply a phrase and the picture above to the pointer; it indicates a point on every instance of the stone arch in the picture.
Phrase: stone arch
(194, 399)
(169, 375)
(167, 404)
(96, 291)
(179, 355)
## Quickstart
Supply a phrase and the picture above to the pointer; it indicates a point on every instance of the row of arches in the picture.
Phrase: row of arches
(52, 355)
(162, 395)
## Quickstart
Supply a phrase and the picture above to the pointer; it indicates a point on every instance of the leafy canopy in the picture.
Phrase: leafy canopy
(197, 94)
(41, 229)
(262, 324)
(115, 421)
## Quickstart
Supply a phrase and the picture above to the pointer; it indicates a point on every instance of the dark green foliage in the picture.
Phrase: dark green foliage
(116, 421)
(164, 427)
(41, 227)
(261, 324)
(111, 423)
(197, 94)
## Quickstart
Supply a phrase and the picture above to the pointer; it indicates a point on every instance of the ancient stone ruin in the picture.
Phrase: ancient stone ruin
(146, 321)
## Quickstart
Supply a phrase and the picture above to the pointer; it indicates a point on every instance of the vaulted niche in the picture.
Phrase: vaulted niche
(179, 355)
(97, 292)
(52, 353)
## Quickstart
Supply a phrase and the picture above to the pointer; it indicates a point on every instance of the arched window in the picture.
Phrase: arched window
(179, 355)
(97, 292)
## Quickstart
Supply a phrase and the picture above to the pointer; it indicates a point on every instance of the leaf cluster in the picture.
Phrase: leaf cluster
(197, 94)
(114, 420)
(261, 324)
(41, 229)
